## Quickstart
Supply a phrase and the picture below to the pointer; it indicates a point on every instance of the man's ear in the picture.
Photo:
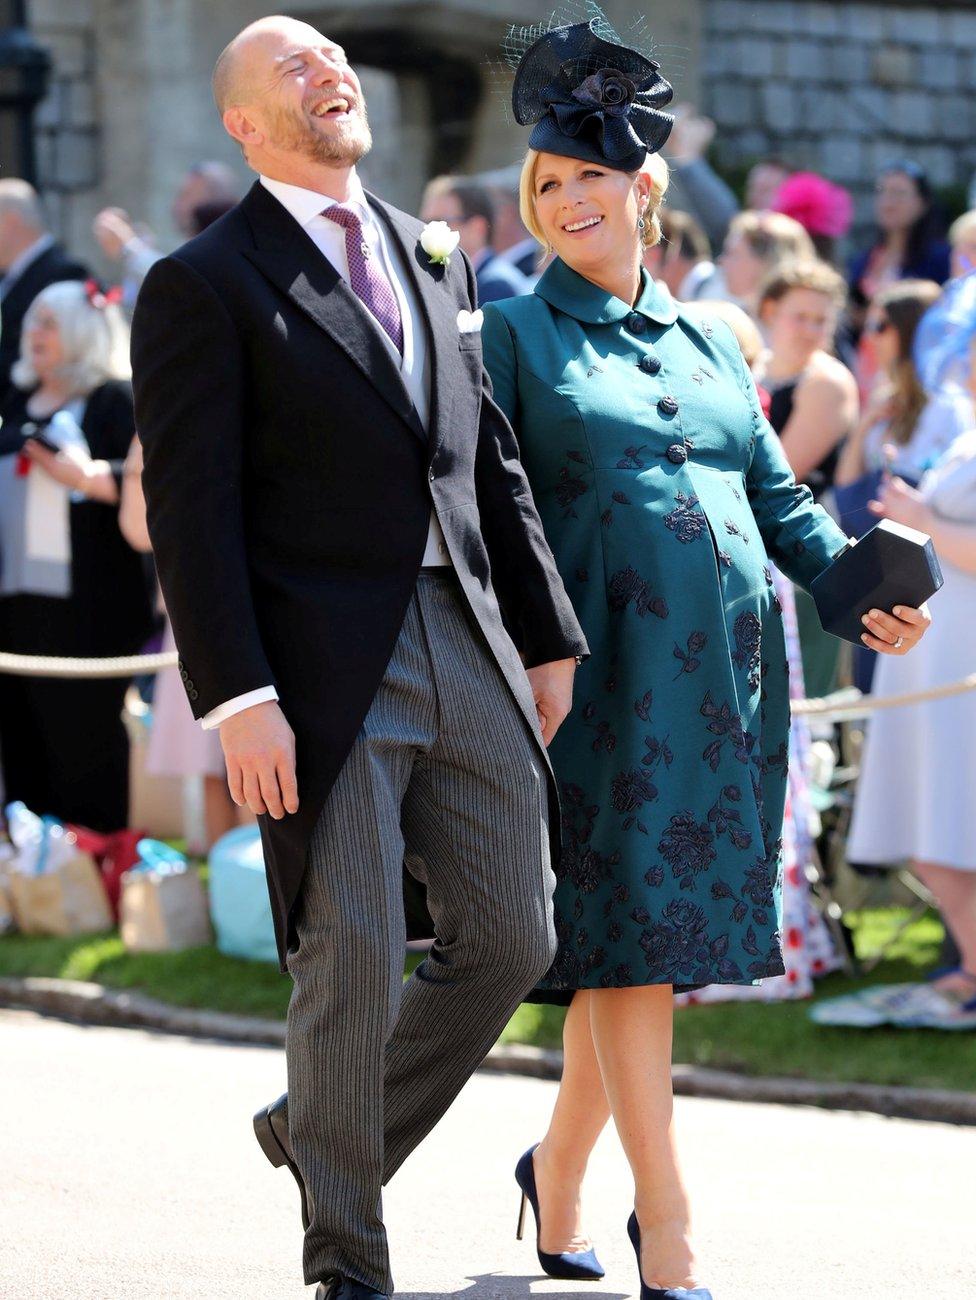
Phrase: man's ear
(242, 128)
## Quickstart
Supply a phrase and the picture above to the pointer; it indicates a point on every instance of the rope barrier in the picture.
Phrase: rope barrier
(840, 706)
(49, 666)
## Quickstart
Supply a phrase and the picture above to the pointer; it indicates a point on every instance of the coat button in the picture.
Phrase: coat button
(668, 405)
(193, 694)
(677, 454)
(650, 365)
(636, 323)
(184, 674)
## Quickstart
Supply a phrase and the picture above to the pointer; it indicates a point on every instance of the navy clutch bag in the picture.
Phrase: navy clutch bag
(891, 565)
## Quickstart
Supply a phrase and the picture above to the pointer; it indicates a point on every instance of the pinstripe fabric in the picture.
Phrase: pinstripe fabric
(445, 771)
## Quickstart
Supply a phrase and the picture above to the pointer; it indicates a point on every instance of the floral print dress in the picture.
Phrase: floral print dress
(663, 491)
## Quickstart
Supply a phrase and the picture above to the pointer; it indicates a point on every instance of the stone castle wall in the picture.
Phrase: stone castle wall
(843, 88)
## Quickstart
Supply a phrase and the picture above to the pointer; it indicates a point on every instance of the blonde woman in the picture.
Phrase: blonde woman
(69, 583)
(661, 489)
(756, 244)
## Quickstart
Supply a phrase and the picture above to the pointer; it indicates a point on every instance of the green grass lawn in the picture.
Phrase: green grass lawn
(753, 1038)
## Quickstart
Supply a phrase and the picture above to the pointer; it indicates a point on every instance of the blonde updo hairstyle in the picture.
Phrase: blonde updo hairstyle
(654, 167)
(773, 238)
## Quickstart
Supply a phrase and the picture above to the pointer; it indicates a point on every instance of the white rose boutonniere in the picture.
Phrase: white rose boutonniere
(439, 241)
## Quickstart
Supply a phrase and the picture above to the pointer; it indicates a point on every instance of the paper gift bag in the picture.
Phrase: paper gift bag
(163, 913)
(68, 899)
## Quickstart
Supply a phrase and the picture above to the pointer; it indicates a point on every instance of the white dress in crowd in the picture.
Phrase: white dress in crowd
(916, 795)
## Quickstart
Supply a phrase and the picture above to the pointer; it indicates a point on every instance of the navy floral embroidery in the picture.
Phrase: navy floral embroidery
(677, 946)
(580, 862)
(701, 374)
(627, 585)
(727, 725)
(629, 791)
(734, 530)
(571, 486)
(686, 521)
(605, 739)
(728, 821)
(632, 459)
(688, 846)
(725, 558)
(620, 499)
(620, 977)
(690, 657)
(747, 632)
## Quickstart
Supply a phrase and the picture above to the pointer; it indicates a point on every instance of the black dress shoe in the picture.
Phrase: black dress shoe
(344, 1288)
(271, 1131)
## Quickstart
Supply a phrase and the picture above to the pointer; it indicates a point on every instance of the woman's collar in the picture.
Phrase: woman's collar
(570, 292)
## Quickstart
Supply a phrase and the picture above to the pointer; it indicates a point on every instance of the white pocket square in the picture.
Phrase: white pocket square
(470, 322)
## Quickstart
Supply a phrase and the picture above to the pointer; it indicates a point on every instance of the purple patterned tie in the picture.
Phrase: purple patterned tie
(367, 278)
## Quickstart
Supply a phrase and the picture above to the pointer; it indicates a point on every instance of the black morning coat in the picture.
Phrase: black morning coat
(289, 484)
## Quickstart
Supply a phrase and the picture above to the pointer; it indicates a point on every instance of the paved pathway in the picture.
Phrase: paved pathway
(127, 1171)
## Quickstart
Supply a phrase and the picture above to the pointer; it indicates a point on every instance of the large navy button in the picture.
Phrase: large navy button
(636, 323)
(650, 365)
(677, 453)
(668, 405)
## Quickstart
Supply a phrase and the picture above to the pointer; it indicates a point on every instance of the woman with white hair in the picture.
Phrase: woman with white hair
(69, 583)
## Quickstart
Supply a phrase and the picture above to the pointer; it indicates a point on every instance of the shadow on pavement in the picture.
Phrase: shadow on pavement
(494, 1286)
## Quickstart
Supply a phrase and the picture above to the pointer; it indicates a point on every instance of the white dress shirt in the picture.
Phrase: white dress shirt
(307, 207)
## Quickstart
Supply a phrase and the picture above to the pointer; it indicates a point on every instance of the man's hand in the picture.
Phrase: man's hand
(259, 747)
(113, 230)
(552, 690)
(691, 134)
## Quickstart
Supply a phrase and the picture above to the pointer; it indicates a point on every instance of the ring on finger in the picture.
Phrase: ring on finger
(898, 643)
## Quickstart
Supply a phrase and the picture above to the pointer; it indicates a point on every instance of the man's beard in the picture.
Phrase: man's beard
(295, 133)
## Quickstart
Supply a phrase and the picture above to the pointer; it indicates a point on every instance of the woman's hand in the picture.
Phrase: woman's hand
(903, 504)
(895, 633)
(75, 469)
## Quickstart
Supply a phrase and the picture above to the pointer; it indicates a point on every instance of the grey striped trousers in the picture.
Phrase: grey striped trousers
(444, 770)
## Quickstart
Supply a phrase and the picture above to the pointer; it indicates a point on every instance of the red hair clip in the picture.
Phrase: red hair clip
(99, 298)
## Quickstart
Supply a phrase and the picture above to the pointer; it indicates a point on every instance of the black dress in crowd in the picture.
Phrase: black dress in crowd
(63, 745)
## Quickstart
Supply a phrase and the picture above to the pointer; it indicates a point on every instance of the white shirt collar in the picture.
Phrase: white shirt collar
(304, 205)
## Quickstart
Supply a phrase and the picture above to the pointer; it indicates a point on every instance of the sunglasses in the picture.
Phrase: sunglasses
(878, 326)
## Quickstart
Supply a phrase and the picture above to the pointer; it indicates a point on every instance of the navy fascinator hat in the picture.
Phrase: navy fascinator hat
(591, 98)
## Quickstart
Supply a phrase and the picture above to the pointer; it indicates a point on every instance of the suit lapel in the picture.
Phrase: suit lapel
(438, 309)
(287, 257)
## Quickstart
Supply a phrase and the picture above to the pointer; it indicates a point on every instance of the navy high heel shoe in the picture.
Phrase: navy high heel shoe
(573, 1266)
(656, 1292)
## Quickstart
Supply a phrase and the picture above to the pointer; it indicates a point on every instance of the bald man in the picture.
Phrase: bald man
(365, 605)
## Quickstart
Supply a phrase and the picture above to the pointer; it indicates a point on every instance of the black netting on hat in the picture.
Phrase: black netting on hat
(588, 95)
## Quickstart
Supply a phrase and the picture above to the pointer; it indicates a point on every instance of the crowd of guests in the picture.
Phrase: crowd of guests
(865, 369)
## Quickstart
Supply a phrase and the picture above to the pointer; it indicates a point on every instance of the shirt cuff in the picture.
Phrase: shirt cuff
(240, 702)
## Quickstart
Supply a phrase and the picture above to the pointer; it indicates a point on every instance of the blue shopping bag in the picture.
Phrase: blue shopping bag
(239, 904)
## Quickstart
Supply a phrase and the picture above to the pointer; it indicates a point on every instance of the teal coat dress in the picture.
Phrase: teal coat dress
(664, 494)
